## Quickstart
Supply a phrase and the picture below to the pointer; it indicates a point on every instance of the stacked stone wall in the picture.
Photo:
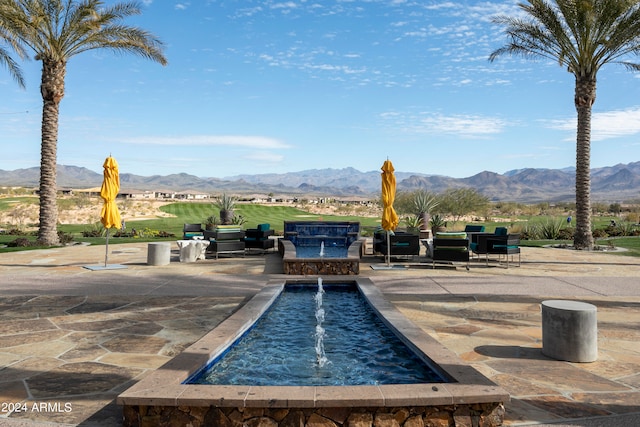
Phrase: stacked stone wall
(473, 415)
(310, 267)
(348, 266)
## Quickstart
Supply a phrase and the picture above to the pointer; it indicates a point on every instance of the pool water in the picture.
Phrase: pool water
(314, 251)
(280, 348)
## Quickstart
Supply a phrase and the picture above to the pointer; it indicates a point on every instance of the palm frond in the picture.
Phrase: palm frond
(580, 35)
(60, 29)
(12, 66)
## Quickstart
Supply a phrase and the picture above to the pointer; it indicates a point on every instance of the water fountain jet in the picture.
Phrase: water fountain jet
(320, 332)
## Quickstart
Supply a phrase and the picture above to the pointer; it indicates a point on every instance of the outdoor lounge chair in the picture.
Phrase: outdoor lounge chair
(402, 244)
(225, 239)
(504, 245)
(451, 247)
(478, 243)
(189, 231)
(258, 238)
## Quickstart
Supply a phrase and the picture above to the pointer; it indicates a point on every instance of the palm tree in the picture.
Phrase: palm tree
(581, 35)
(56, 30)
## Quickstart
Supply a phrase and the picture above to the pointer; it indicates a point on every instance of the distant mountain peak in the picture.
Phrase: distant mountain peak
(612, 183)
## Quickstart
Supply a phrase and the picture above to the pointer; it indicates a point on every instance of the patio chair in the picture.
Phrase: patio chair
(504, 245)
(451, 247)
(258, 238)
(189, 231)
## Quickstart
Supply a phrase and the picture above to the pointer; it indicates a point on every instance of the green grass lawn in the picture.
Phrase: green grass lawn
(254, 214)
(188, 212)
(185, 212)
(7, 203)
(632, 244)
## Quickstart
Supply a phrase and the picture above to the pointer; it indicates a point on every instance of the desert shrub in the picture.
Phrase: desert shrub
(122, 233)
(65, 238)
(632, 217)
(622, 229)
(615, 230)
(149, 232)
(599, 233)
(95, 230)
(626, 228)
(15, 232)
(20, 242)
(529, 231)
(566, 233)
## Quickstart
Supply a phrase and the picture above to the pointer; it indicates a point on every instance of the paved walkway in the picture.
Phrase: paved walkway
(71, 339)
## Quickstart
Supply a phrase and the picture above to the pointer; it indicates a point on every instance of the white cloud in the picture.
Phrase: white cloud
(248, 12)
(285, 5)
(466, 126)
(260, 142)
(444, 5)
(605, 125)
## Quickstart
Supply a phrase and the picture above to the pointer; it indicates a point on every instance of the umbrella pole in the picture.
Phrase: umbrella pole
(106, 252)
(388, 249)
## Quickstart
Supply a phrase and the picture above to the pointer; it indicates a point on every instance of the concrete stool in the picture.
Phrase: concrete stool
(158, 253)
(569, 330)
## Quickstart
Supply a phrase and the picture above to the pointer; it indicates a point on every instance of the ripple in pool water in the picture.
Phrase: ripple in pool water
(280, 348)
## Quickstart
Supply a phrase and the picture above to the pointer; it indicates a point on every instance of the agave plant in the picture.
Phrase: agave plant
(238, 220)
(210, 222)
(550, 229)
(424, 202)
(413, 223)
(437, 223)
(226, 204)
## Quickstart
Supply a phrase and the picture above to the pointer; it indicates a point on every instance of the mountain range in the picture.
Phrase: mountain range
(608, 184)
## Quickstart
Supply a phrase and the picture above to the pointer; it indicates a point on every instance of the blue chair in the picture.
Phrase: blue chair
(469, 228)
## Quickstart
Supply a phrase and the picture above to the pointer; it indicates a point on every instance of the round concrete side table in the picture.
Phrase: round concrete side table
(159, 253)
(569, 330)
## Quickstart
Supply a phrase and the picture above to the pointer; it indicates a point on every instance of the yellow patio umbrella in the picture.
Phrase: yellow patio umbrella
(389, 216)
(110, 215)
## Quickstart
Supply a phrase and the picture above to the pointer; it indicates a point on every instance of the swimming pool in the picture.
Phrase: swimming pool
(280, 349)
(162, 397)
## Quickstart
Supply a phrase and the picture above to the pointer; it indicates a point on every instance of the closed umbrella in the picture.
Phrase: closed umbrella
(110, 215)
(389, 217)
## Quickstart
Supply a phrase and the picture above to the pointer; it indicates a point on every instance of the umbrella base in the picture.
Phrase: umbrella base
(105, 267)
(389, 267)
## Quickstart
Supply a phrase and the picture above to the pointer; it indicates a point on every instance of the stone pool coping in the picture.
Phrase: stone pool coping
(164, 387)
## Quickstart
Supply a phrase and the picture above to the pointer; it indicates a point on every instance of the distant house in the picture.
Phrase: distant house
(90, 192)
(187, 195)
(138, 195)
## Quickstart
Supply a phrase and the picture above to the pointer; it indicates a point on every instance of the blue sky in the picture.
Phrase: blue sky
(280, 86)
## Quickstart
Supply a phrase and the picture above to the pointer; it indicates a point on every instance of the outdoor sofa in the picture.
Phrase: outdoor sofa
(402, 243)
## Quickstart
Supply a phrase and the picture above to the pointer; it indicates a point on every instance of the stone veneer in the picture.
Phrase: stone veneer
(478, 415)
(320, 266)
(163, 399)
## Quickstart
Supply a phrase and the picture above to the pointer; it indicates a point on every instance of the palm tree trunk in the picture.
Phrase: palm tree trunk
(585, 96)
(52, 89)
